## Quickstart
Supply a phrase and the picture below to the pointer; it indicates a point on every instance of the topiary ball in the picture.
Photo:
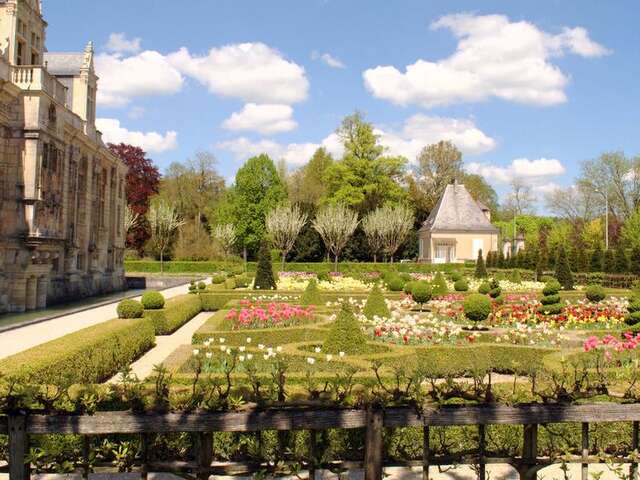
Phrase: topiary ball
(484, 288)
(395, 284)
(553, 309)
(595, 293)
(202, 286)
(495, 292)
(408, 287)
(550, 299)
(152, 300)
(218, 278)
(477, 307)
(461, 285)
(421, 292)
(456, 276)
(130, 309)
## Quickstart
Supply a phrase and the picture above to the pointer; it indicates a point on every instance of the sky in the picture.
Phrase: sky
(524, 89)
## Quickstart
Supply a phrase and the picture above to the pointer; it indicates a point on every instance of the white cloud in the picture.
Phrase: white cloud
(421, 130)
(265, 119)
(328, 59)
(154, 142)
(118, 42)
(536, 171)
(253, 72)
(494, 58)
(136, 112)
(295, 154)
(123, 78)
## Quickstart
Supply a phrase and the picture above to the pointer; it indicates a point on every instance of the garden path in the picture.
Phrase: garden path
(23, 338)
(165, 346)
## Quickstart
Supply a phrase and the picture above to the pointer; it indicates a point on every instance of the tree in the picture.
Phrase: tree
(634, 261)
(373, 225)
(335, 224)
(521, 200)
(563, 270)
(609, 263)
(398, 225)
(364, 179)
(164, 222)
(284, 224)
(597, 259)
(131, 219)
(225, 235)
(577, 204)
(438, 165)
(631, 229)
(621, 260)
(481, 270)
(481, 191)
(306, 185)
(142, 183)
(257, 190)
(265, 279)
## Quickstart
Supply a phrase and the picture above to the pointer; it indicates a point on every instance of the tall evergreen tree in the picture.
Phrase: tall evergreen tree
(597, 259)
(563, 270)
(634, 261)
(621, 260)
(265, 279)
(609, 264)
(481, 270)
(500, 263)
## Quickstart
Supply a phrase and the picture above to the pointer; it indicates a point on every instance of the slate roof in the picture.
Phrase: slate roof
(457, 211)
(64, 63)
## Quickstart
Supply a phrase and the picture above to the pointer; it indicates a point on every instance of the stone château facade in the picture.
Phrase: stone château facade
(62, 192)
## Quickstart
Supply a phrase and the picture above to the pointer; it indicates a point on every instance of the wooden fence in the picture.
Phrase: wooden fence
(20, 426)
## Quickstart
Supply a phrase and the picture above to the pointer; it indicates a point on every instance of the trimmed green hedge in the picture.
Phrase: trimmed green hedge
(150, 266)
(212, 302)
(90, 355)
(176, 312)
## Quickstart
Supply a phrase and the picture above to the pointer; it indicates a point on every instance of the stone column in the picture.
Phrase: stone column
(32, 294)
(42, 287)
(17, 299)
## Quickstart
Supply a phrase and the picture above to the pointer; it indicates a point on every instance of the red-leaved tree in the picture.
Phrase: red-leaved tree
(142, 183)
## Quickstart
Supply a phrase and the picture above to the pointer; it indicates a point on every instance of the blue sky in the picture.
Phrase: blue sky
(550, 83)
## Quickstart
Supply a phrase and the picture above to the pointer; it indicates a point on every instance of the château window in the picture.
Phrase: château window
(20, 53)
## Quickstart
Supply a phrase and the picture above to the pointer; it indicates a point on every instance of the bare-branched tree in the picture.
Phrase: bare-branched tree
(225, 235)
(520, 200)
(284, 224)
(335, 224)
(164, 221)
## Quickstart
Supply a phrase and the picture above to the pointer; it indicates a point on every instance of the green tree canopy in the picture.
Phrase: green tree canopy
(364, 179)
(258, 189)
(631, 230)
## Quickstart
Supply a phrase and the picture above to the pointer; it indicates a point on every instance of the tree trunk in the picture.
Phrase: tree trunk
(375, 258)
(161, 260)
(284, 256)
(335, 263)
(244, 255)
(391, 259)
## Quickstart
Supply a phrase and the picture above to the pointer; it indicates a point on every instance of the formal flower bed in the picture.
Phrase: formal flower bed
(258, 315)
(621, 351)
(540, 335)
(337, 284)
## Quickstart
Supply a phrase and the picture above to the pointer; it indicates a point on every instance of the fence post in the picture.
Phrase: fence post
(312, 454)
(18, 447)
(373, 444)
(584, 472)
(527, 468)
(481, 451)
(205, 454)
(86, 452)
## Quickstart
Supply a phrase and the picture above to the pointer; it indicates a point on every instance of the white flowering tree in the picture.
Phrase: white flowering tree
(335, 224)
(164, 222)
(284, 224)
(225, 235)
(373, 225)
(399, 222)
(131, 219)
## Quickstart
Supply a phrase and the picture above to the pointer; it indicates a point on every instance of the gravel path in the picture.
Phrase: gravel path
(165, 346)
(15, 341)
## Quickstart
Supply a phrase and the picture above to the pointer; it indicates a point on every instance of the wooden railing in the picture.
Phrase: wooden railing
(20, 426)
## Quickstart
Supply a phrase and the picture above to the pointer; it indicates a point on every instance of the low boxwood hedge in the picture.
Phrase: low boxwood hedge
(90, 355)
(213, 301)
(176, 312)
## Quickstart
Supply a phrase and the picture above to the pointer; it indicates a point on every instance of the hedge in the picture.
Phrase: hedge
(151, 266)
(90, 355)
(211, 302)
(176, 312)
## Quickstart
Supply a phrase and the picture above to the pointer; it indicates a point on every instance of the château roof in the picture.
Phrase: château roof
(458, 211)
(64, 63)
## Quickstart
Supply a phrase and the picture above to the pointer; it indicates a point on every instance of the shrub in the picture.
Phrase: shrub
(130, 309)
(376, 305)
(515, 277)
(201, 286)
(212, 301)
(484, 288)
(552, 287)
(595, 293)
(477, 307)
(481, 269)
(311, 295)
(439, 285)
(324, 276)
(633, 318)
(176, 312)
(550, 299)
(563, 271)
(552, 309)
(230, 283)
(90, 355)
(421, 293)
(345, 334)
(152, 300)
(218, 278)
(634, 306)
(456, 276)
(461, 285)
(395, 284)
(264, 275)
(408, 287)
(242, 281)
(192, 287)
